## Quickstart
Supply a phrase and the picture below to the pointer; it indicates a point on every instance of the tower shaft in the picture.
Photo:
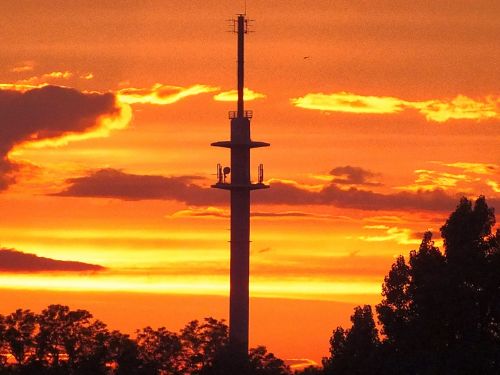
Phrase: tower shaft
(240, 187)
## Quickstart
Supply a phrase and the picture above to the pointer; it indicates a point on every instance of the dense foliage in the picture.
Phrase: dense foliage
(63, 341)
(440, 312)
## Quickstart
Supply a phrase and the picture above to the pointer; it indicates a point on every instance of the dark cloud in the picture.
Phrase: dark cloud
(46, 113)
(435, 200)
(353, 176)
(112, 183)
(16, 261)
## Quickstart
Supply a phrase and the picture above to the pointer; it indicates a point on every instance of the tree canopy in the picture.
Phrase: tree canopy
(440, 312)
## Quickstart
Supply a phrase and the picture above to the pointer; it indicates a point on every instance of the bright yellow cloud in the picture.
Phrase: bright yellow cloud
(432, 180)
(399, 235)
(350, 103)
(160, 94)
(495, 186)
(232, 95)
(459, 108)
(478, 168)
(45, 78)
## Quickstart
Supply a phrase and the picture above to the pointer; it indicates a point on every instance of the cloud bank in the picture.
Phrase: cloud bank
(52, 115)
(16, 261)
(112, 183)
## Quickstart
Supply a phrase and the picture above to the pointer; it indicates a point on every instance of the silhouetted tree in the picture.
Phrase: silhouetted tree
(19, 335)
(354, 351)
(310, 370)
(202, 343)
(439, 307)
(124, 355)
(440, 313)
(264, 363)
(73, 336)
(160, 351)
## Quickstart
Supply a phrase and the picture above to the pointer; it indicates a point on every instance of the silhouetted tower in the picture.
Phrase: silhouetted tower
(240, 186)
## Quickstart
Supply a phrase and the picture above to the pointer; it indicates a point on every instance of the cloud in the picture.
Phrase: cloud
(16, 261)
(300, 363)
(215, 212)
(25, 66)
(46, 78)
(402, 236)
(113, 183)
(459, 108)
(202, 212)
(477, 168)
(160, 94)
(50, 116)
(349, 103)
(353, 176)
(232, 95)
(431, 180)
(281, 193)
(495, 186)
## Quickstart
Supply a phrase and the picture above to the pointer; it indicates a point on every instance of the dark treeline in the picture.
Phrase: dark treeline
(440, 314)
(64, 341)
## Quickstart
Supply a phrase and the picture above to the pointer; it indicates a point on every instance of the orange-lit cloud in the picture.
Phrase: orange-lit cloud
(349, 175)
(87, 76)
(46, 78)
(495, 186)
(300, 363)
(53, 115)
(215, 212)
(232, 95)
(478, 168)
(112, 183)
(402, 236)
(350, 103)
(160, 94)
(459, 108)
(25, 66)
(16, 261)
(431, 180)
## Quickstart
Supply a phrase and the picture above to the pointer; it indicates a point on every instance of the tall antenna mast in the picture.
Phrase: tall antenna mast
(240, 186)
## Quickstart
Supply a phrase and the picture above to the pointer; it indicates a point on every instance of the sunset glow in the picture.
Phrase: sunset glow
(379, 119)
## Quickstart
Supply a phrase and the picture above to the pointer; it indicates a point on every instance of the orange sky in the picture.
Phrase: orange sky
(380, 116)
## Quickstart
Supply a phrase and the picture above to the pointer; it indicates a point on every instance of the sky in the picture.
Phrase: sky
(380, 115)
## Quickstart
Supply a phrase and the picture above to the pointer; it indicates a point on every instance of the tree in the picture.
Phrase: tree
(263, 362)
(354, 351)
(203, 343)
(71, 339)
(160, 351)
(440, 306)
(19, 332)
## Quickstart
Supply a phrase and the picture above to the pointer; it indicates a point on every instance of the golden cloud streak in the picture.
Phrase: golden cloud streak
(25, 66)
(349, 103)
(477, 168)
(160, 94)
(495, 186)
(104, 126)
(232, 95)
(399, 235)
(459, 108)
(44, 78)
